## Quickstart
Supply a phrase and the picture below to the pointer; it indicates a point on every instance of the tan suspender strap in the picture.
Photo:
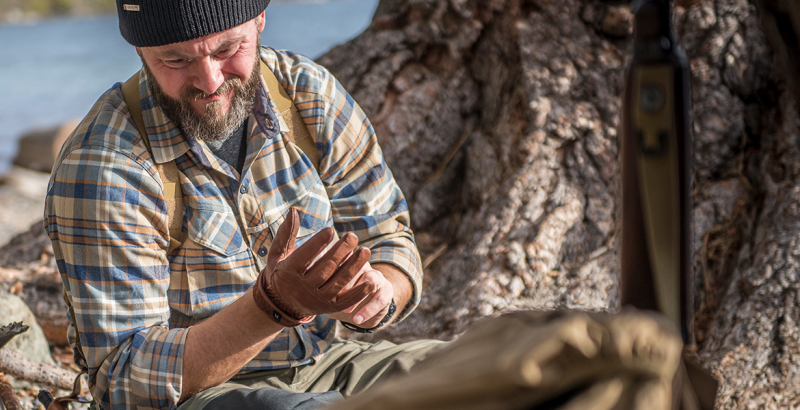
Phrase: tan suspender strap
(62, 402)
(298, 132)
(276, 91)
(168, 170)
(130, 92)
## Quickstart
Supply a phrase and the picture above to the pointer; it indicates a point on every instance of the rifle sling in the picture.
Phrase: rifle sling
(659, 186)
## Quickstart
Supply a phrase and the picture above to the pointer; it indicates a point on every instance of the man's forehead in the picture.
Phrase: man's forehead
(205, 45)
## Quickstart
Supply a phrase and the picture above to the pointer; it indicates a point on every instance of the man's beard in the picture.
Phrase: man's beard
(212, 124)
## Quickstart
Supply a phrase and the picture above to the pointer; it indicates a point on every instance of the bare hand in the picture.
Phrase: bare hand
(371, 310)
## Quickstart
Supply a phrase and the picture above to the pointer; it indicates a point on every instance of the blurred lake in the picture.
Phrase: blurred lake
(52, 71)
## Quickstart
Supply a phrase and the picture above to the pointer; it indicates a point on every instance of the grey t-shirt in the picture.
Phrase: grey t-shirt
(233, 149)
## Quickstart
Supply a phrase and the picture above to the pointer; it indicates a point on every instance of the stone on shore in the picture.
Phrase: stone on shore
(31, 344)
(22, 193)
(39, 148)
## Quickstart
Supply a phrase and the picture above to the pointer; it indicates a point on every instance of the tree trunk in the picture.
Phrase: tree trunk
(499, 118)
(526, 96)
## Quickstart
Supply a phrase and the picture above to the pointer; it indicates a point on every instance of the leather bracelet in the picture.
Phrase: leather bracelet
(388, 317)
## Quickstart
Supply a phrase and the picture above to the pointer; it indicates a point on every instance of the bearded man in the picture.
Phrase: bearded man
(242, 312)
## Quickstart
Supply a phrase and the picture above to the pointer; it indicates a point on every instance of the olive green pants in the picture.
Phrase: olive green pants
(348, 367)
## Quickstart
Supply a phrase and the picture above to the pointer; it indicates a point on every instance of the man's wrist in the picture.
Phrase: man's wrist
(402, 285)
(268, 304)
(383, 322)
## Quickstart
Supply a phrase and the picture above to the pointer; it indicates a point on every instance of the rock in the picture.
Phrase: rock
(38, 149)
(22, 194)
(32, 344)
(28, 250)
(43, 294)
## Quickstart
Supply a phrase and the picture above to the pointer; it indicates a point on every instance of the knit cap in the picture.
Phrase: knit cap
(150, 23)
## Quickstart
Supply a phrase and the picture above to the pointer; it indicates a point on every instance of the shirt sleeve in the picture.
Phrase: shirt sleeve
(107, 219)
(365, 198)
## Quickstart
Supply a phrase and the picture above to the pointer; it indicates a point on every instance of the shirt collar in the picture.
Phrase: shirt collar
(266, 112)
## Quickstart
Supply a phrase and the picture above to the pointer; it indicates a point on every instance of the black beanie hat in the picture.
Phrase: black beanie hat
(150, 23)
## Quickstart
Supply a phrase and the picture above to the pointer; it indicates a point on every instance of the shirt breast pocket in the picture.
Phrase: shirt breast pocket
(313, 208)
(215, 230)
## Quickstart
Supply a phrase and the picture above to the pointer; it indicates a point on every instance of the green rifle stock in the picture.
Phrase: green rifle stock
(656, 161)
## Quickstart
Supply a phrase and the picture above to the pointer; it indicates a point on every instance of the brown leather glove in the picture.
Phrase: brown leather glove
(292, 293)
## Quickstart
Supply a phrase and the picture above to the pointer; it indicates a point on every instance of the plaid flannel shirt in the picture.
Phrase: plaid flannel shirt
(106, 216)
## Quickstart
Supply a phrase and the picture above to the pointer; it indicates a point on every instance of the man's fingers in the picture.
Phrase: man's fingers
(283, 244)
(347, 271)
(299, 260)
(326, 266)
(376, 306)
(351, 297)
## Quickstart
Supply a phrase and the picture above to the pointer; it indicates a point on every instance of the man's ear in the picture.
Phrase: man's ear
(138, 51)
(261, 20)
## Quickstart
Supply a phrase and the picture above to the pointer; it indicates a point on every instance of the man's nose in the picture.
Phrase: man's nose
(208, 75)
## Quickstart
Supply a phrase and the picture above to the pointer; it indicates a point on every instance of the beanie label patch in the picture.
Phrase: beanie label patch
(130, 7)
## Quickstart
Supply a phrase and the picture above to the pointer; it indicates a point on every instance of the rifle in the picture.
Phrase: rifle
(656, 143)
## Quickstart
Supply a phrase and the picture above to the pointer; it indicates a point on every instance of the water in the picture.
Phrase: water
(53, 71)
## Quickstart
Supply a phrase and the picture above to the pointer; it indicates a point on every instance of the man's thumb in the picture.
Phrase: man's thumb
(284, 242)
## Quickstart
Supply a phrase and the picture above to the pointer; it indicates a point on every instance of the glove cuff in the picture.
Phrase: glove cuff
(270, 306)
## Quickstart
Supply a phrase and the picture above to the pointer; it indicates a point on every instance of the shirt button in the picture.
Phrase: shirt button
(243, 189)
(262, 251)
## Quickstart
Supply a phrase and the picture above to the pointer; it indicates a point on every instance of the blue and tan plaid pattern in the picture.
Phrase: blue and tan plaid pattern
(107, 218)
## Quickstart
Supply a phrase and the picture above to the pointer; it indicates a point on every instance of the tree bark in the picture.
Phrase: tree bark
(526, 94)
(527, 100)
(499, 118)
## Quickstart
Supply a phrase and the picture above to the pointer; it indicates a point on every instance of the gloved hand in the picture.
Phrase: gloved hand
(292, 293)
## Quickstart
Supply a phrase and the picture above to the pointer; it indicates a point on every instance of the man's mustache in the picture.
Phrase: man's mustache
(194, 94)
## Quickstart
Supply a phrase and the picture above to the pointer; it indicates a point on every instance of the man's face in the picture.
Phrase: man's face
(206, 85)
